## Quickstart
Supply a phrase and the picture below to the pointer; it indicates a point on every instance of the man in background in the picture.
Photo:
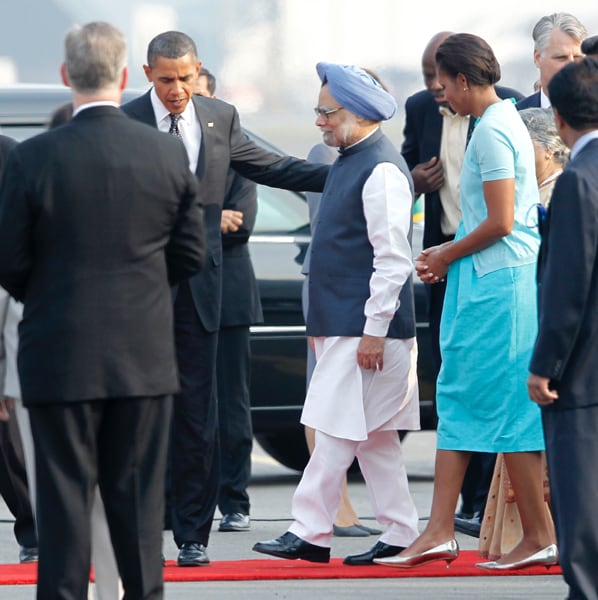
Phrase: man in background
(433, 147)
(557, 42)
(241, 307)
(563, 376)
(13, 478)
(590, 46)
(98, 218)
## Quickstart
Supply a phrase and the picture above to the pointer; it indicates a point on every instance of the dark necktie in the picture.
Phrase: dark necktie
(174, 125)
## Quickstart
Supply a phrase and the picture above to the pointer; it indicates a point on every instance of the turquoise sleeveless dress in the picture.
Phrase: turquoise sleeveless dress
(489, 318)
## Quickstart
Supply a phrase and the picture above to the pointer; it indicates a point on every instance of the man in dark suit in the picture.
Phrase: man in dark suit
(214, 140)
(98, 218)
(433, 147)
(241, 307)
(13, 477)
(557, 42)
(563, 376)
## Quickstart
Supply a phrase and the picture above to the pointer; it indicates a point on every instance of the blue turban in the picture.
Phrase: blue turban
(357, 91)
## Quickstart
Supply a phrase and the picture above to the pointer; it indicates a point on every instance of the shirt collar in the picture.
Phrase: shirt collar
(447, 111)
(371, 133)
(581, 142)
(93, 105)
(544, 100)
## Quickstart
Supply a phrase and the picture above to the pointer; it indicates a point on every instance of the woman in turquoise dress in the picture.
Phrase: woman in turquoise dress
(489, 320)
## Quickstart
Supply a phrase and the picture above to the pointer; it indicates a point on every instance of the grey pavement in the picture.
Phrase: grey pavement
(271, 492)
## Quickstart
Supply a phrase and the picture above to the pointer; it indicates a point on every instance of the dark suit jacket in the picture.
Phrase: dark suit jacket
(532, 101)
(6, 145)
(421, 141)
(97, 218)
(224, 145)
(566, 349)
(241, 304)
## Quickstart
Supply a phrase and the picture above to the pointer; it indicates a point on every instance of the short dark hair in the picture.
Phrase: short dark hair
(210, 78)
(573, 91)
(590, 45)
(170, 44)
(469, 55)
(61, 115)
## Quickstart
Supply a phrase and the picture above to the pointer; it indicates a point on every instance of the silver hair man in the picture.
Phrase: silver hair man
(95, 56)
(557, 42)
(566, 22)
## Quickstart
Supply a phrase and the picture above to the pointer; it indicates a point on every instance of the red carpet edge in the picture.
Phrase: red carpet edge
(248, 570)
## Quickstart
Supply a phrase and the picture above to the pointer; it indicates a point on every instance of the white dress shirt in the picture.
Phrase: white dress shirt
(452, 151)
(189, 127)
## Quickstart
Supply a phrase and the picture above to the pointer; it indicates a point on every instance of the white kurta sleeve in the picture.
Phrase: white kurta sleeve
(387, 205)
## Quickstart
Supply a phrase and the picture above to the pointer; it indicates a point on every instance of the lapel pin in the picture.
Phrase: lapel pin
(210, 123)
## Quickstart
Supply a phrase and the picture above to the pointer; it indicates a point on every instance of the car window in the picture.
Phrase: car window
(280, 212)
(21, 132)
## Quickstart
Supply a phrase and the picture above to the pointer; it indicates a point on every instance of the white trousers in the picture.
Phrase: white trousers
(316, 499)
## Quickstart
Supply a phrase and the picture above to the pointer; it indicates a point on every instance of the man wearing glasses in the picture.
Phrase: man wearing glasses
(361, 325)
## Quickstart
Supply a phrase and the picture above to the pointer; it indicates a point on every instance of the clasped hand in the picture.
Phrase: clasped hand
(430, 265)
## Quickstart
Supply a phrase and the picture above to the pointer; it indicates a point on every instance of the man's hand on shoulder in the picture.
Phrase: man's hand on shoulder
(370, 354)
(428, 177)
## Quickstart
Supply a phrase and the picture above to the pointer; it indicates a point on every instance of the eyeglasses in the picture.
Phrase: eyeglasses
(326, 112)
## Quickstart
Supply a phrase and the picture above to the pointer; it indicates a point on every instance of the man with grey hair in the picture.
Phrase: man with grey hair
(557, 42)
(214, 140)
(98, 218)
(361, 326)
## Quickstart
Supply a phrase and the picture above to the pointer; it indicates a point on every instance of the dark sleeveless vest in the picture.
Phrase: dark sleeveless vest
(342, 257)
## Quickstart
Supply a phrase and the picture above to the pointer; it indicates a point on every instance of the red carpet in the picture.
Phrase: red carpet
(245, 570)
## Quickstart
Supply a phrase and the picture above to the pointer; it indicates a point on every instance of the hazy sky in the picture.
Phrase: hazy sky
(257, 60)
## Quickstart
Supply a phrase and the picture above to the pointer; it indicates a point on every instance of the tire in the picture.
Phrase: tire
(288, 447)
(290, 450)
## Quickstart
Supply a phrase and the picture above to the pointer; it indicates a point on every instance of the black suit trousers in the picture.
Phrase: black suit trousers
(120, 444)
(13, 482)
(234, 413)
(194, 464)
(572, 455)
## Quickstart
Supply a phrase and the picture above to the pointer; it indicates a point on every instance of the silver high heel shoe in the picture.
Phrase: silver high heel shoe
(447, 551)
(543, 558)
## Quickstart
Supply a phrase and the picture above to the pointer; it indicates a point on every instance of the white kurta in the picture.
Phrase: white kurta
(344, 400)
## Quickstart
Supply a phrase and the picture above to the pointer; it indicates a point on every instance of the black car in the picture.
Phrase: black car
(278, 244)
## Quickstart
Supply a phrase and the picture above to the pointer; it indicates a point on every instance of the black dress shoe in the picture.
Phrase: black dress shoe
(470, 526)
(288, 545)
(234, 522)
(28, 554)
(378, 550)
(192, 554)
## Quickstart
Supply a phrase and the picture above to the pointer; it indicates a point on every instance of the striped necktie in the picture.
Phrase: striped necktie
(174, 125)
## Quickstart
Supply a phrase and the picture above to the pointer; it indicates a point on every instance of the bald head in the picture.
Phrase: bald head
(430, 50)
(429, 65)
